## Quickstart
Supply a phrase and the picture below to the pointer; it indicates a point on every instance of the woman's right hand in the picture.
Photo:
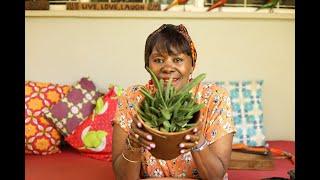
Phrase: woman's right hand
(138, 137)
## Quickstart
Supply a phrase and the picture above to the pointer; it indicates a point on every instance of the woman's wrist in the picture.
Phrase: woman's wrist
(131, 153)
(131, 146)
(201, 145)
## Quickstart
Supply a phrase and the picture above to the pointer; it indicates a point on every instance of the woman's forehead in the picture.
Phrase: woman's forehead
(163, 48)
(165, 52)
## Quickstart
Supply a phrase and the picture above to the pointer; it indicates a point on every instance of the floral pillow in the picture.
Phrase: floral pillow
(73, 109)
(94, 136)
(246, 100)
(40, 135)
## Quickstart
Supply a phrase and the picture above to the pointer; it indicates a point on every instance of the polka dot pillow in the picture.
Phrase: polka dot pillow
(246, 100)
(40, 135)
(75, 107)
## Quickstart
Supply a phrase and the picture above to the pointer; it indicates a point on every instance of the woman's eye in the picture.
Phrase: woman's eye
(158, 60)
(178, 60)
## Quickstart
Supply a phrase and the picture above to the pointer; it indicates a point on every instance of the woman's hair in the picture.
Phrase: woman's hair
(168, 38)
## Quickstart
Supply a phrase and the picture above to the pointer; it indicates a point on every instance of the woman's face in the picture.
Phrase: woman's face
(177, 65)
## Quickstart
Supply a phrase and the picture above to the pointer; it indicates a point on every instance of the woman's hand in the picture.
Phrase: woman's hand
(138, 137)
(191, 140)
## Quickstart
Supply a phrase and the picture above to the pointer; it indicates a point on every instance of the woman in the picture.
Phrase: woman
(205, 154)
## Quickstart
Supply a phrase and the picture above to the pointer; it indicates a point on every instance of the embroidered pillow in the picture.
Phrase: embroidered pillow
(94, 136)
(73, 109)
(40, 135)
(246, 100)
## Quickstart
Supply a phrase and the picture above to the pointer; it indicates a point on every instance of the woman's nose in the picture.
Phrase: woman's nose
(168, 67)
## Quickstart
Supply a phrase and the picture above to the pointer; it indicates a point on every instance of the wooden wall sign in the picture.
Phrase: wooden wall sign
(36, 5)
(113, 6)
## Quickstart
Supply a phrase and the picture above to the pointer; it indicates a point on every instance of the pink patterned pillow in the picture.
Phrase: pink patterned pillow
(94, 136)
(73, 109)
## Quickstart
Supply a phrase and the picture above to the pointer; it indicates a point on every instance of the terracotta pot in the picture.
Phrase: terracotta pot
(167, 143)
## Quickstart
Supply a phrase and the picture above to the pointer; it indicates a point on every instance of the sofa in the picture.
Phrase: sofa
(66, 159)
(70, 164)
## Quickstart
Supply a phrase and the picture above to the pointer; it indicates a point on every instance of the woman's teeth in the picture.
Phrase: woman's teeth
(167, 80)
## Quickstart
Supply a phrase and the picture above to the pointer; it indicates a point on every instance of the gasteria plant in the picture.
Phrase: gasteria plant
(169, 110)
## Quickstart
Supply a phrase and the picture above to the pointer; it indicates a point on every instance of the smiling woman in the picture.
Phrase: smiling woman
(205, 151)
(165, 55)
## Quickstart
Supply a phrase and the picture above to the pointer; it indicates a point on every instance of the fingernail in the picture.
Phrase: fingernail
(182, 151)
(187, 137)
(152, 145)
(181, 145)
(149, 148)
(149, 137)
(139, 125)
(195, 129)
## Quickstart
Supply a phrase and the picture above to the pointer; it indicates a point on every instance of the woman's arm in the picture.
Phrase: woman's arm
(213, 161)
(123, 168)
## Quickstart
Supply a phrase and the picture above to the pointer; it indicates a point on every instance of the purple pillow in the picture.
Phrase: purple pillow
(74, 108)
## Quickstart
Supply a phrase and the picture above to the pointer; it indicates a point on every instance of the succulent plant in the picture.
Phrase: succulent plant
(167, 109)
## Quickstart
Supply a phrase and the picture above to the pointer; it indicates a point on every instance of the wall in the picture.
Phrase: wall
(111, 50)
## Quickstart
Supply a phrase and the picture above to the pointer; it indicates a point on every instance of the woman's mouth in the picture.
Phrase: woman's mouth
(174, 81)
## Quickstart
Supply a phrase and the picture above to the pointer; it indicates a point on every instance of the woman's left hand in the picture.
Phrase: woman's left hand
(191, 140)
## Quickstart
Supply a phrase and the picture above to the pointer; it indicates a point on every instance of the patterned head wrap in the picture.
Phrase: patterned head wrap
(183, 31)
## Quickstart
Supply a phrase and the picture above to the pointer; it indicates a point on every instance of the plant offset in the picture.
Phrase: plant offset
(169, 110)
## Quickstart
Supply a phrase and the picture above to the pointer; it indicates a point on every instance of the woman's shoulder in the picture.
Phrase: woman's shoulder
(131, 90)
(132, 94)
(212, 88)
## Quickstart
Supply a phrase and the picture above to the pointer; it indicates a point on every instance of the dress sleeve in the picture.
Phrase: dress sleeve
(219, 119)
(125, 110)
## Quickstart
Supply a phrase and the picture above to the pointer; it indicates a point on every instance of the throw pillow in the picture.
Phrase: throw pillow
(73, 109)
(94, 136)
(246, 100)
(40, 135)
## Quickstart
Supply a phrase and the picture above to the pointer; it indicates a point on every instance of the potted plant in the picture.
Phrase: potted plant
(168, 115)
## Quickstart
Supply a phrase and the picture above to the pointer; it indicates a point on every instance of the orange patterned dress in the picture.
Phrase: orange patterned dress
(217, 116)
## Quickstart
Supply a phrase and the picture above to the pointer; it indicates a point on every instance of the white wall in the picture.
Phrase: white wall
(111, 50)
